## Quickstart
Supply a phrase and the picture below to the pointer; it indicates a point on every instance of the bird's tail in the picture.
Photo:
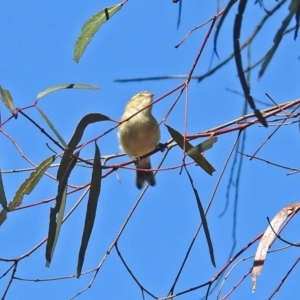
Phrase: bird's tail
(142, 176)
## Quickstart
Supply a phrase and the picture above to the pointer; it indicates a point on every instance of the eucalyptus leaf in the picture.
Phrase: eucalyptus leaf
(84, 122)
(185, 145)
(55, 223)
(204, 220)
(66, 86)
(7, 99)
(3, 200)
(204, 146)
(52, 127)
(91, 208)
(30, 183)
(91, 27)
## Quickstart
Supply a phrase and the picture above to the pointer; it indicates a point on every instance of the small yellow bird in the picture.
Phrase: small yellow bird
(140, 135)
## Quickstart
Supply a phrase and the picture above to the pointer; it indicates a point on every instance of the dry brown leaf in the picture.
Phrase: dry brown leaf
(269, 237)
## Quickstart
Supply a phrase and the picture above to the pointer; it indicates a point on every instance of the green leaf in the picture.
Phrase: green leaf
(196, 156)
(30, 183)
(7, 99)
(91, 208)
(3, 200)
(64, 87)
(207, 144)
(3, 216)
(178, 138)
(84, 122)
(204, 220)
(55, 225)
(277, 40)
(91, 27)
(66, 166)
(52, 127)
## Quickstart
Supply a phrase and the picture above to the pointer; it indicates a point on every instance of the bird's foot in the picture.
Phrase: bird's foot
(162, 147)
(136, 160)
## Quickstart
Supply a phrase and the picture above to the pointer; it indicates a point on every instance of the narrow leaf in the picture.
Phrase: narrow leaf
(207, 144)
(204, 221)
(297, 17)
(67, 164)
(54, 225)
(277, 41)
(185, 145)
(91, 208)
(3, 200)
(52, 127)
(220, 23)
(30, 183)
(84, 122)
(64, 87)
(3, 216)
(91, 27)
(202, 162)
(7, 99)
(56, 229)
(269, 237)
(178, 138)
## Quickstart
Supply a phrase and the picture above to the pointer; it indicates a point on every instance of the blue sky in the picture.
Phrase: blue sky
(37, 45)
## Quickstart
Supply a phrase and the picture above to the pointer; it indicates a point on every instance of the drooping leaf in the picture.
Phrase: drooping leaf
(269, 237)
(30, 183)
(91, 27)
(55, 227)
(66, 86)
(185, 145)
(204, 220)
(91, 208)
(277, 40)
(3, 200)
(220, 23)
(55, 224)
(3, 216)
(179, 12)
(84, 122)
(239, 62)
(7, 99)
(297, 17)
(66, 166)
(52, 127)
